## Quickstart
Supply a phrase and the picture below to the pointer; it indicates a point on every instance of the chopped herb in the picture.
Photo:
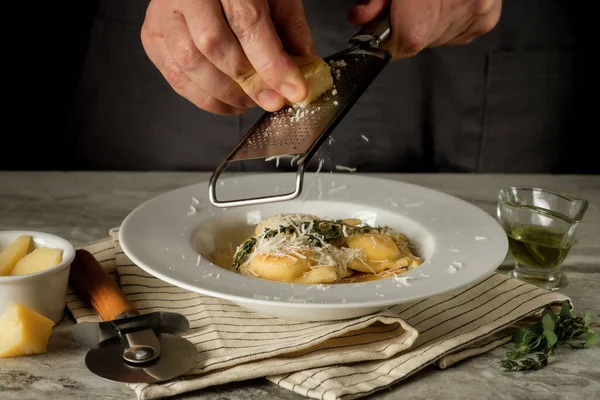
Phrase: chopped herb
(543, 338)
(242, 253)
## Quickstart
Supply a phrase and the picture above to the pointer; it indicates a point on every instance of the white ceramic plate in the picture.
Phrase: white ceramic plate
(459, 242)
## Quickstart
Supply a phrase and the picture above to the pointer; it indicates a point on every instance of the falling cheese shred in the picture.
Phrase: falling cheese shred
(344, 168)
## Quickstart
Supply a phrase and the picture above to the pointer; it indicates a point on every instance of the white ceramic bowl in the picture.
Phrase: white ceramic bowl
(460, 243)
(44, 291)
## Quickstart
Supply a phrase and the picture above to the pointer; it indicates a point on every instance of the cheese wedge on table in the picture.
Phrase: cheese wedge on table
(23, 331)
(317, 74)
(38, 260)
(13, 253)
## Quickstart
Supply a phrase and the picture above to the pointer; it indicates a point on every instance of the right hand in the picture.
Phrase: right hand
(227, 55)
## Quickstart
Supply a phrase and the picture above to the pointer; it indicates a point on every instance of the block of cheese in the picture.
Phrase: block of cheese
(23, 331)
(38, 260)
(13, 253)
(317, 74)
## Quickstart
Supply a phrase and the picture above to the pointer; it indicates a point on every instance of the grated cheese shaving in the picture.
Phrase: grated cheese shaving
(321, 161)
(192, 211)
(298, 244)
(344, 168)
(295, 158)
(403, 280)
(277, 158)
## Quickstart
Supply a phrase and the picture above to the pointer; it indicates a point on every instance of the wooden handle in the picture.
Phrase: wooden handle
(95, 285)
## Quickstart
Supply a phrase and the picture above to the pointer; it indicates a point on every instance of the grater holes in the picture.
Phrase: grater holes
(284, 128)
(297, 128)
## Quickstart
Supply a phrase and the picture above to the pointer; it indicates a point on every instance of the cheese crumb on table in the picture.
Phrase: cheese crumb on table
(24, 331)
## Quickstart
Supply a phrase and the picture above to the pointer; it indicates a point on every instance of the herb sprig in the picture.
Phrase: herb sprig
(327, 231)
(543, 338)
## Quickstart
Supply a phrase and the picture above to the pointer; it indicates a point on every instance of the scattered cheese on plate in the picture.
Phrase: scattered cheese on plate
(24, 331)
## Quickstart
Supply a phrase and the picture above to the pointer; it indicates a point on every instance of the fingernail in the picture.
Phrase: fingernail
(289, 91)
(269, 99)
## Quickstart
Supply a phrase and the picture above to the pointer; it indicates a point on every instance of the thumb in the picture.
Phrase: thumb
(366, 11)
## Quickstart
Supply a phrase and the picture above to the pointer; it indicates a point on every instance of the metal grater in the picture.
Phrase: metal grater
(300, 132)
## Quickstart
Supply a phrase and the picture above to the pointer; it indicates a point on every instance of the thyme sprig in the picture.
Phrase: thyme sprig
(321, 231)
(543, 338)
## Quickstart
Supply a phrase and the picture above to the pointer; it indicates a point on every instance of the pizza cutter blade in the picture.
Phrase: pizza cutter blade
(127, 347)
(177, 357)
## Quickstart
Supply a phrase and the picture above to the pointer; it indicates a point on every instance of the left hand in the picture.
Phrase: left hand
(419, 24)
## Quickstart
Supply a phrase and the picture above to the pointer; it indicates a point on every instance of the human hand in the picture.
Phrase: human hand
(419, 24)
(227, 55)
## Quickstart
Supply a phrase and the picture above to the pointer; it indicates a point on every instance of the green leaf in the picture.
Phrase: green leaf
(551, 338)
(576, 346)
(565, 311)
(537, 329)
(519, 335)
(509, 365)
(548, 323)
(541, 340)
(549, 313)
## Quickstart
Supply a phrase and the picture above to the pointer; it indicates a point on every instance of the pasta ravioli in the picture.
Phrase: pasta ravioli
(303, 248)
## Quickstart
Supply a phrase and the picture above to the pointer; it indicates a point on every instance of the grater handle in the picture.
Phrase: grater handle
(374, 33)
(212, 191)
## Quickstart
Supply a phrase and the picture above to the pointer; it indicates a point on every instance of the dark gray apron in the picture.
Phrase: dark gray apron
(504, 103)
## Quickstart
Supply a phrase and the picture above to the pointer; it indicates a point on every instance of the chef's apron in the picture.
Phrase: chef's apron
(503, 103)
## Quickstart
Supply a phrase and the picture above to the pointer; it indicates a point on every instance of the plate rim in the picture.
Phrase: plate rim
(123, 241)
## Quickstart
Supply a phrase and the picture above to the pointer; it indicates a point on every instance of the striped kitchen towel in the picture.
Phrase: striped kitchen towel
(322, 360)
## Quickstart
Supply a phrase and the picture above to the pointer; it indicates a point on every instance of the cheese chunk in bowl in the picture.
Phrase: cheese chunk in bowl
(34, 271)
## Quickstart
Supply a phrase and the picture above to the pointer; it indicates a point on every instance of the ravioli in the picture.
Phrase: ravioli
(303, 248)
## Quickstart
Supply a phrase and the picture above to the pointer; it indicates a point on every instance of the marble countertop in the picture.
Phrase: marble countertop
(83, 206)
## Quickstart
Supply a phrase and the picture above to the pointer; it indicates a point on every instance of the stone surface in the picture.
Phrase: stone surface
(83, 206)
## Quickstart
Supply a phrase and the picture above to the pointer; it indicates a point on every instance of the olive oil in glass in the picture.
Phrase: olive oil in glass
(540, 226)
(537, 246)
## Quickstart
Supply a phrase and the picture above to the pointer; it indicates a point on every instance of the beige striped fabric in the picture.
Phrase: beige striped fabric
(323, 360)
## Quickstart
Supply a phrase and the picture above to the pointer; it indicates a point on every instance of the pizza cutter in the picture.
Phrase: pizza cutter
(127, 346)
